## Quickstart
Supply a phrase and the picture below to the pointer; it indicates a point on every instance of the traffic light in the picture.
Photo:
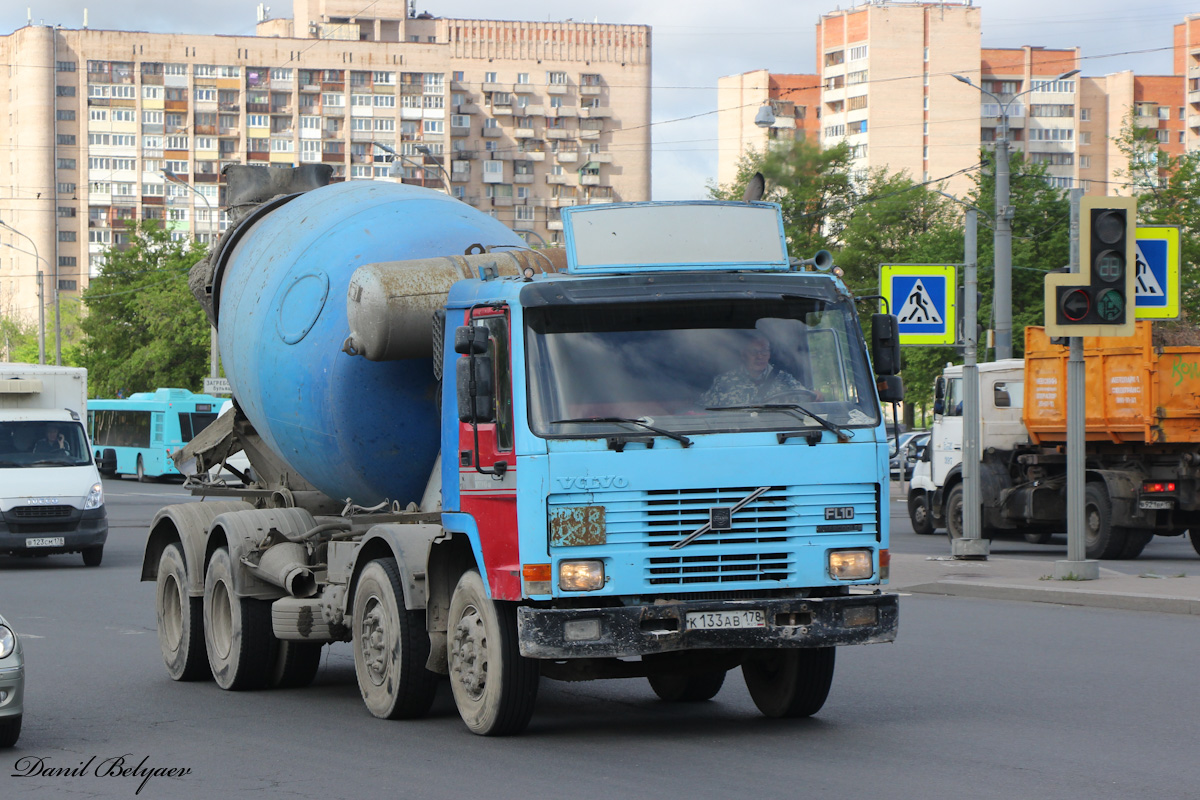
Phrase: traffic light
(1099, 299)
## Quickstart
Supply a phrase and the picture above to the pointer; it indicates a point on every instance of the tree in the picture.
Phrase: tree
(811, 185)
(144, 329)
(1168, 192)
(19, 340)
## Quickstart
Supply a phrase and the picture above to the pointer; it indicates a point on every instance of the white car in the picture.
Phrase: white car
(12, 685)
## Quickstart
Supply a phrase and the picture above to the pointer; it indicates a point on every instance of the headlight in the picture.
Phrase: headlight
(8, 641)
(580, 576)
(851, 565)
(95, 497)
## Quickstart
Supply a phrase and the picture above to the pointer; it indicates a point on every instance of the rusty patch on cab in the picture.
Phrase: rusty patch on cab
(576, 526)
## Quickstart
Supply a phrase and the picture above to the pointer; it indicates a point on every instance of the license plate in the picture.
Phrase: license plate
(720, 620)
(1154, 505)
(46, 541)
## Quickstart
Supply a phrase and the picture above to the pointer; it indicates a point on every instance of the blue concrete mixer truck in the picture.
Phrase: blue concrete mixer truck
(656, 452)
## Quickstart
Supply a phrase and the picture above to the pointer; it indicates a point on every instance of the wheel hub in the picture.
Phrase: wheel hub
(468, 653)
(172, 613)
(373, 638)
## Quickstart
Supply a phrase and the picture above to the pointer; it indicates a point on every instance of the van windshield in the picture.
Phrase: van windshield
(38, 443)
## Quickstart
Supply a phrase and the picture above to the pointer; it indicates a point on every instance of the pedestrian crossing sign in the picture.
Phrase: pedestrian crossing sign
(922, 296)
(1156, 279)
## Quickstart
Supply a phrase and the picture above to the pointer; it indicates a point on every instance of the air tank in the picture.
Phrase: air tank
(351, 427)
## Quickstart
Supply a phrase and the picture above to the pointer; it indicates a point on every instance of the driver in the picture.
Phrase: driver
(53, 443)
(754, 381)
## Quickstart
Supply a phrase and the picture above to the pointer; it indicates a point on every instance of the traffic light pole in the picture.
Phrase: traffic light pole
(971, 546)
(1076, 566)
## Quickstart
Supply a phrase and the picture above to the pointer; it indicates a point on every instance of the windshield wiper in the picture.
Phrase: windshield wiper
(843, 434)
(679, 437)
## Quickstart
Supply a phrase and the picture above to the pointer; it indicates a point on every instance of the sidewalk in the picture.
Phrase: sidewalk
(1017, 579)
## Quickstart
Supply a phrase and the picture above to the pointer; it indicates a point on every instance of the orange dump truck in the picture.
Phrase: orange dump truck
(1143, 443)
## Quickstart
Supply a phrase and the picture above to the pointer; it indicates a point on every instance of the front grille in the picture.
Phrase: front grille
(731, 568)
(41, 512)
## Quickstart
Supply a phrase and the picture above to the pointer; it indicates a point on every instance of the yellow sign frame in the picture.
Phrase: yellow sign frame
(949, 272)
(1174, 287)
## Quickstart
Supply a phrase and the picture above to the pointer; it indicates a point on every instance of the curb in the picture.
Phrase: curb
(1070, 597)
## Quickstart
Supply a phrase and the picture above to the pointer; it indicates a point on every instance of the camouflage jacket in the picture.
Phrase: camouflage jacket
(738, 387)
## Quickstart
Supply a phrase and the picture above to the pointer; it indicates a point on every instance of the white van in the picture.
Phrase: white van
(51, 497)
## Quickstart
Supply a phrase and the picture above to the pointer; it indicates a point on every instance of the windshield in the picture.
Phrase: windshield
(696, 367)
(43, 444)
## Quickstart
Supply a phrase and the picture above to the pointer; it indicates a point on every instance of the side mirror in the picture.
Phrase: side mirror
(885, 343)
(891, 388)
(476, 396)
(939, 388)
(939, 407)
(470, 340)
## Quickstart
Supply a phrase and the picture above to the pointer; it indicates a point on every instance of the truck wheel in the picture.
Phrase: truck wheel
(1039, 538)
(494, 687)
(688, 688)
(237, 630)
(390, 645)
(1135, 542)
(789, 683)
(92, 556)
(180, 620)
(918, 512)
(141, 471)
(10, 731)
(1194, 538)
(1104, 540)
(954, 513)
(296, 664)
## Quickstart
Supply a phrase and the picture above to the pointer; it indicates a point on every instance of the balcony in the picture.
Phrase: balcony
(258, 108)
(459, 86)
(556, 88)
(502, 111)
(1193, 120)
(523, 178)
(502, 202)
(564, 111)
(523, 133)
(600, 158)
(472, 200)
(466, 108)
(497, 87)
(460, 130)
(587, 135)
(599, 112)
(556, 180)
(333, 111)
(567, 157)
(333, 158)
(460, 175)
(586, 91)
(535, 111)
(589, 180)
(559, 133)
(523, 88)
(464, 155)
(535, 155)
(492, 133)
(232, 108)
(554, 225)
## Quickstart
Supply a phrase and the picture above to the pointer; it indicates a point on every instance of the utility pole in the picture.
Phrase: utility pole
(214, 353)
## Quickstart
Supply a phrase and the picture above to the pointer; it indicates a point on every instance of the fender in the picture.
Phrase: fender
(186, 524)
(1123, 487)
(241, 531)
(409, 545)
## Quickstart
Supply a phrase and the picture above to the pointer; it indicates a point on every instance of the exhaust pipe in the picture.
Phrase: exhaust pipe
(283, 565)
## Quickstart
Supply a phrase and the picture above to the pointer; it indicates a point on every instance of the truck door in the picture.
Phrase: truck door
(947, 437)
(488, 492)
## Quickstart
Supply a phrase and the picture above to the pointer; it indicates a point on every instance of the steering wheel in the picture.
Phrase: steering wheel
(793, 395)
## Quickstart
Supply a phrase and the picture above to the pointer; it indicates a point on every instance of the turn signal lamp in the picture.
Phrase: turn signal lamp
(537, 579)
(850, 565)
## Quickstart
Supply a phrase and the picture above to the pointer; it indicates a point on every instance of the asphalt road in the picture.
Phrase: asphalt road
(976, 699)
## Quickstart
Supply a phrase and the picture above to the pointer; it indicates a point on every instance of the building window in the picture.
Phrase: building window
(434, 126)
(66, 188)
(66, 236)
(122, 115)
(64, 66)
(835, 57)
(1061, 87)
(858, 77)
(1085, 137)
(206, 94)
(177, 143)
(66, 211)
(1051, 134)
(177, 167)
(64, 91)
(1085, 162)
(66, 163)
(489, 77)
(152, 93)
(66, 261)
(860, 52)
(65, 115)
(1085, 114)
(1164, 112)
(1051, 110)
(556, 78)
(860, 101)
(205, 71)
(66, 285)
(65, 138)
(99, 162)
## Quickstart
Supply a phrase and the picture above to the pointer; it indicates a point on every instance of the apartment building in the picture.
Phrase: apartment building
(888, 88)
(100, 129)
(792, 101)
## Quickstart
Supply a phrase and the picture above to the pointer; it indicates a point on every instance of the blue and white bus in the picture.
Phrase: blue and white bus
(138, 434)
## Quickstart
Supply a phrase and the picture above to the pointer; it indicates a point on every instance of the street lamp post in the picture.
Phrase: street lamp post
(425, 151)
(214, 353)
(1002, 239)
(42, 301)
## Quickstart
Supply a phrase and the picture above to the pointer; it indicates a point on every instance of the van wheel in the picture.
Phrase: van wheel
(1104, 540)
(92, 556)
(10, 731)
(918, 512)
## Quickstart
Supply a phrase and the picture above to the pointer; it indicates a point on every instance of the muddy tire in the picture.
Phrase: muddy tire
(1135, 542)
(295, 665)
(10, 731)
(1104, 540)
(237, 630)
(789, 683)
(920, 514)
(494, 687)
(92, 556)
(954, 513)
(390, 646)
(694, 688)
(1040, 537)
(180, 620)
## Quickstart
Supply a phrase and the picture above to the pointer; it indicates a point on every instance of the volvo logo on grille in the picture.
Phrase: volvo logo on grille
(840, 512)
(720, 518)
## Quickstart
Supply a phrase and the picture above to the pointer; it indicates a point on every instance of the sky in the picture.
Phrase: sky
(695, 42)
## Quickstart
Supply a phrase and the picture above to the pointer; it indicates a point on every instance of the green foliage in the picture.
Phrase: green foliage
(144, 329)
(1168, 193)
(21, 338)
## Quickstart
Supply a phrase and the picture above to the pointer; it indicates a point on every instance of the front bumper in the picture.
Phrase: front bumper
(79, 529)
(646, 629)
(12, 690)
